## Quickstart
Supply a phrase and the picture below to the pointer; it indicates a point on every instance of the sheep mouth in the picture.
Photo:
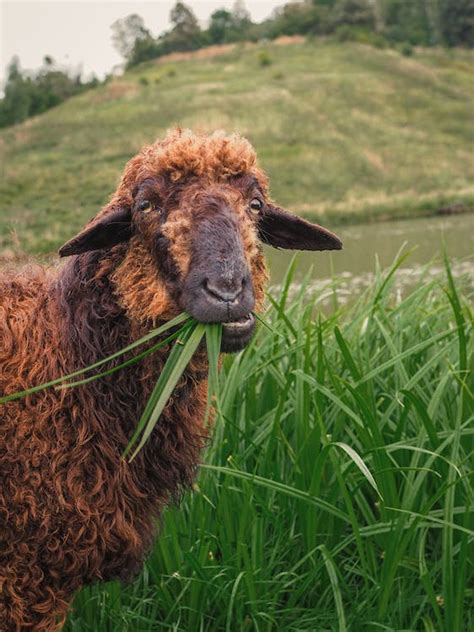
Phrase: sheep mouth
(236, 334)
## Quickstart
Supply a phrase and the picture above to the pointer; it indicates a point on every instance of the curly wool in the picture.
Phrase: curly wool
(183, 152)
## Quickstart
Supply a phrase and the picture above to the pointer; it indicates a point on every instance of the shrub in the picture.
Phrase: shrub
(264, 58)
(406, 49)
(346, 33)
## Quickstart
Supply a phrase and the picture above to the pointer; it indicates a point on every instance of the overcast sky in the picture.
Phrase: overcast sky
(77, 32)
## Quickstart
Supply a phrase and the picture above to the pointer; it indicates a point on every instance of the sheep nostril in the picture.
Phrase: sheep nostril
(229, 295)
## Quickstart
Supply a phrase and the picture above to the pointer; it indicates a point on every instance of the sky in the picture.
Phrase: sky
(77, 32)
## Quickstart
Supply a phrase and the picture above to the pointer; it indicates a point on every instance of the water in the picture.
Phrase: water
(363, 243)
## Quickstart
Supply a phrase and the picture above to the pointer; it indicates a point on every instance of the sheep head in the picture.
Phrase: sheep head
(190, 215)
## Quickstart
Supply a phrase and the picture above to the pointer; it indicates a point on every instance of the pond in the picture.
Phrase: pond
(365, 243)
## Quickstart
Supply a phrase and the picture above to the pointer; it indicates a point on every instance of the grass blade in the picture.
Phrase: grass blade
(179, 320)
(175, 366)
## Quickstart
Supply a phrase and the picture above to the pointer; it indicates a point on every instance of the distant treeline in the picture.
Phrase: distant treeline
(381, 23)
(378, 22)
(30, 93)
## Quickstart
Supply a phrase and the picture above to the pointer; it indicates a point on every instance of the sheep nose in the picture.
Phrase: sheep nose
(228, 292)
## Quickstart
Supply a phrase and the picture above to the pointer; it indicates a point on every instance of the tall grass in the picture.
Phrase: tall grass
(337, 493)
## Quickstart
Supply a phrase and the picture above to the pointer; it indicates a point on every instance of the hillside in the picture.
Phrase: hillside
(346, 131)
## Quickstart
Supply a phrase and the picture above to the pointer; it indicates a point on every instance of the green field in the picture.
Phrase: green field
(337, 493)
(346, 131)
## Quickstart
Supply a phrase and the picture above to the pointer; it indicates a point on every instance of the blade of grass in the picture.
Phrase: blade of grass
(213, 344)
(333, 578)
(280, 487)
(154, 395)
(360, 464)
(175, 366)
(266, 324)
(182, 318)
(130, 362)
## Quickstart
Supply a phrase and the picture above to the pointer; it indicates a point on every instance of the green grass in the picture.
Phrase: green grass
(346, 131)
(337, 493)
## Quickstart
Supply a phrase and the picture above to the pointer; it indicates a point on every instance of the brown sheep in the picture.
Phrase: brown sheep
(183, 231)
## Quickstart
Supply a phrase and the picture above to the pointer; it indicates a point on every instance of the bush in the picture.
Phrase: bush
(264, 58)
(406, 49)
(346, 33)
(376, 40)
(143, 81)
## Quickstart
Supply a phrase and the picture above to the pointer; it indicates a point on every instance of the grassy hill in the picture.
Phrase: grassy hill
(346, 131)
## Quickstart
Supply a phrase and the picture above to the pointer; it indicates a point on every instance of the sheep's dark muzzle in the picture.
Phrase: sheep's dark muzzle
(219, 286)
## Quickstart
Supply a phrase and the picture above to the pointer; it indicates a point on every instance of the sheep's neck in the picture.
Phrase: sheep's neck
(102, 416)
(97, 325)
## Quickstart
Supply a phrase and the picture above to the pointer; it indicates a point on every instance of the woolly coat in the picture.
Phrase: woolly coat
(72, 511)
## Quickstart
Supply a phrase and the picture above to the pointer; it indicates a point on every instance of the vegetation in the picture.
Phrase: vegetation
(347, 132)
(28, 94)
(337, 493)
(447, 22)
(376, 22)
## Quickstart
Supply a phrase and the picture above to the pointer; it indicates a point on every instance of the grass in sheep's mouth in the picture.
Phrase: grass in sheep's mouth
(187, 339)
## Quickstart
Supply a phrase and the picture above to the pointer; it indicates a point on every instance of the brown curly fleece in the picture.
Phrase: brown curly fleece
(72, 511)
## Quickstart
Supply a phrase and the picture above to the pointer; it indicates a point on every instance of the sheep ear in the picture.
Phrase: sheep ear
(281, 229)
(111, 229)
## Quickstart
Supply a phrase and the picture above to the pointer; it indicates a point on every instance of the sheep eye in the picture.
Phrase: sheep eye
(256, 206)
(146, 206)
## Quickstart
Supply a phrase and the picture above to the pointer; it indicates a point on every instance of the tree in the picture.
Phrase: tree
(221, 26)
(457, 22)
(240, 15)
(186, 33)
(230, 26)
(358, 13)
(378, 15)
(16, 102)
(14, 69)
(296, 18)
(126, 32)
(407, 21)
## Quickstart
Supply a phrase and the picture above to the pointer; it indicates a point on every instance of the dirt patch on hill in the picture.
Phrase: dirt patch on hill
(224, 49)
(285, 40)
(202, 53)
(114, 90)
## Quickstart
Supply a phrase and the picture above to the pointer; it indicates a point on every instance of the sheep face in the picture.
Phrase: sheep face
(194, 211)
(203, 237)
